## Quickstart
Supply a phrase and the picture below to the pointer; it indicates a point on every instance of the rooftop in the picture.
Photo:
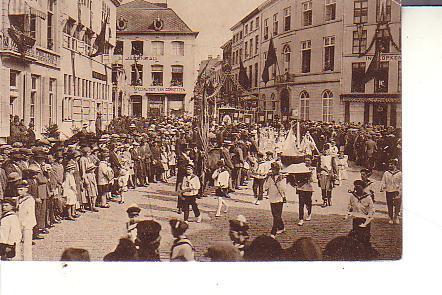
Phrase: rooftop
(140, 17)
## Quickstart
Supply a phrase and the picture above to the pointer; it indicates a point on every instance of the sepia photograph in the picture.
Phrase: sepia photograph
(201, 130)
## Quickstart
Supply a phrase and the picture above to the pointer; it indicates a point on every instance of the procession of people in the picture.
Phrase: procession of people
(48, 181)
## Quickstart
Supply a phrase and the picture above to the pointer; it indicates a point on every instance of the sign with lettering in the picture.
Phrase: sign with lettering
(387, 57)
(159, 89)
(139, 57)
(47, 57)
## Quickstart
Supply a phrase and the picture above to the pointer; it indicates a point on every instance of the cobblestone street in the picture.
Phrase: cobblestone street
(99, 232)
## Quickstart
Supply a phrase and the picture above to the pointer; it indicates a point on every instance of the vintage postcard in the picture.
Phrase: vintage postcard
(259, 130)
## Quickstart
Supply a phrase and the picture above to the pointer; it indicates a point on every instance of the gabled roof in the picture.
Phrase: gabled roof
(140, 16)
(140, 4)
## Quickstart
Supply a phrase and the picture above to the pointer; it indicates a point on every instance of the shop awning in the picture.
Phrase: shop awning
(372, 98)
(23, 7)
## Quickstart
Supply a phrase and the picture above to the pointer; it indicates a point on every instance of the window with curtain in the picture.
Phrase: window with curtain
(157, 48)
(178, 48)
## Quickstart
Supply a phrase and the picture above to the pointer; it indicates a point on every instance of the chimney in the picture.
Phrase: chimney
(160, 3)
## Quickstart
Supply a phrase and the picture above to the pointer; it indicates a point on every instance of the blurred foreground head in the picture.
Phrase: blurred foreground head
(75, 254)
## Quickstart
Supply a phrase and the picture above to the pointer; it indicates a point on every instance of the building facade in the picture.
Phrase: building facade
(315, 46)
(377, 101)
(47, 73)
(154, 64)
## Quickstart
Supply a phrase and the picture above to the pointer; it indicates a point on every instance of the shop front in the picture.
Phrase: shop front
(157, 101)
(375, 109)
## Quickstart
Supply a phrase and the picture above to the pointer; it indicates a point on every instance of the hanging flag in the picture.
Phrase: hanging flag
(100, 42)
(137, 80)
(243, 78)
(382, 11)
(271, 60)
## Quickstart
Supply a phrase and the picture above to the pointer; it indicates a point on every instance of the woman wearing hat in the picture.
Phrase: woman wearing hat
(70, 190)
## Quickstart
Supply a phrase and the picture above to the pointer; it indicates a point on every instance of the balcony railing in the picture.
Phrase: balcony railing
(285, 78)
(7, 45)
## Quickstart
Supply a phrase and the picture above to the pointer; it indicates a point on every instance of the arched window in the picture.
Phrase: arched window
(327, 106)
(304, 99)
(286, 57)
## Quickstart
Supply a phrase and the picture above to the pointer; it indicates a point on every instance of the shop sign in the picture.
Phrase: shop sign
(139, 57)
(387, 57)
(156, 89)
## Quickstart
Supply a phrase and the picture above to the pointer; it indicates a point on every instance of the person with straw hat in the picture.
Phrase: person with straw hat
(70, 190)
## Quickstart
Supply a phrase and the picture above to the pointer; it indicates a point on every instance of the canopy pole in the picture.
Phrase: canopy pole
(298, 135)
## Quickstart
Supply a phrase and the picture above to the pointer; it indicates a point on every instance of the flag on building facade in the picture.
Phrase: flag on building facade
(243, 78)
(271, 60)
(100, 42)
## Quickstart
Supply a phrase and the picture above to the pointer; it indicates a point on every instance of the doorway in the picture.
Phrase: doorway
(380, 114)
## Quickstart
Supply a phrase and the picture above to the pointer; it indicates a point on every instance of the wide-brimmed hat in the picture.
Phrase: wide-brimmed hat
(13, 176)
(33, 168)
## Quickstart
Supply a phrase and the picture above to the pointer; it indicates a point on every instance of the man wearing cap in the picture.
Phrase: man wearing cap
(56, 175)
(259, 175)
(11, 164)
(133, 212)
(189, 190)
(146, 158)
(10, 230)
(140, 178)
(42, 208)
(105, 176)
(26, 215)
(391, 183)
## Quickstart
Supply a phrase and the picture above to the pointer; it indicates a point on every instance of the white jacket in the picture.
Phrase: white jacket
(10, 229)
(26, 212)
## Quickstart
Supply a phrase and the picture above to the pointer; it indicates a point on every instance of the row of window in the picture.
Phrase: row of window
(360, 16)
(156, 48)
(304, 105)
(75, 86)
(85, 110)
(306, 49)
(157, 75)
(35, 98)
